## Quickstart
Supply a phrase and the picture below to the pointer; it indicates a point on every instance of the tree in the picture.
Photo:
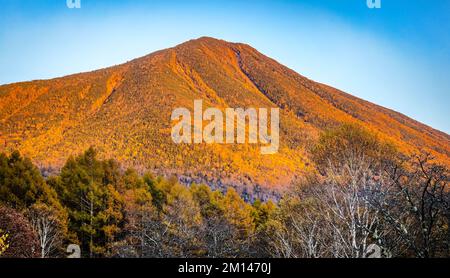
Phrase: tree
(158, 189)
(22, 183)
(238, 212)
(217, 232)
(298, 229)
(414, 203)
(138, 213)
(183, 219)
(346, 208)
(262, 212)
(352, 162)
(363, 197)
(50, 228)
(87, 187)
(348, 144)
(169, 227)
(330, 214)
(131, 180)
(22, 240)
(240, 215)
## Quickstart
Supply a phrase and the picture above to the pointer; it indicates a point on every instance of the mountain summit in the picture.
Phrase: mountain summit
(125, 112)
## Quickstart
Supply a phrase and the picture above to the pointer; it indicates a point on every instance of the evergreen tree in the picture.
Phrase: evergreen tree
(22, 184)
(88, 189)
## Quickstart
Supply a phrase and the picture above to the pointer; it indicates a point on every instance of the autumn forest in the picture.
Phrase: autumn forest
(363, 195)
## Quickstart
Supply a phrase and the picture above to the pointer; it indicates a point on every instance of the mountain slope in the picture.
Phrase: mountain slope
(125, 112)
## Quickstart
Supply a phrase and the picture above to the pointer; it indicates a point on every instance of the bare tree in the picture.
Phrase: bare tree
(342, 223)
(299, 229)
(144, 230)
(402, 208)
(183, 219)
(347, 210)
(415, 206)
(219, 238)
(48, 228)
(172, 232)
(153, 236)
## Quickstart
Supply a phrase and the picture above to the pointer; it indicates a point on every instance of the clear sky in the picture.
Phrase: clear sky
(397, 56)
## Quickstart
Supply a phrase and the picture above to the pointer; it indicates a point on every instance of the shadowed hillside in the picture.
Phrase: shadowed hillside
(125, 112)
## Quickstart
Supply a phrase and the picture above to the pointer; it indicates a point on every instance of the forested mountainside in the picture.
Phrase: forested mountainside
(124, 111)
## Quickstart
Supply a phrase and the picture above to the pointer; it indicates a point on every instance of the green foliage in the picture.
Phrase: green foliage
(131, 180)
(24, 189)
(158, 190)
(263, 212)
(112, 213)
(22, 184)
(87, 188)
(208, 200)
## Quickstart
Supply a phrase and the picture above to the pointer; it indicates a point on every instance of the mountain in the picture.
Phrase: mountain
(125, 112)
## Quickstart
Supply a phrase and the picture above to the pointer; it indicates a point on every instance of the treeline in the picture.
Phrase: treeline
(113, 214)
(364, 200)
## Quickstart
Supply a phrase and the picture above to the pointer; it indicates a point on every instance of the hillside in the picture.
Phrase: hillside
(125, 112)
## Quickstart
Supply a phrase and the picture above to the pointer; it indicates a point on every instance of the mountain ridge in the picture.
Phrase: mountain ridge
(124, 110)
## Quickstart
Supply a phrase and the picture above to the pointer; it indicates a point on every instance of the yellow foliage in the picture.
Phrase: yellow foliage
(238, 212)
(3, 242)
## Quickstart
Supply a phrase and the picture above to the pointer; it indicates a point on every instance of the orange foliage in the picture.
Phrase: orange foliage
(125, 112)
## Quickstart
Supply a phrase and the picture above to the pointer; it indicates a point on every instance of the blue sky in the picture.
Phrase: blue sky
(397, 56)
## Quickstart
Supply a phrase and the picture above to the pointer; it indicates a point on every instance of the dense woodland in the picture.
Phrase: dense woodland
(363, 192)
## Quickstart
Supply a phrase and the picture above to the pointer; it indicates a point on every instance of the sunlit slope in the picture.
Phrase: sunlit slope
(125, 112)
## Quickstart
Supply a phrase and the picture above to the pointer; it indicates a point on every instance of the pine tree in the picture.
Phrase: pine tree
(22, 185)
(88, 189)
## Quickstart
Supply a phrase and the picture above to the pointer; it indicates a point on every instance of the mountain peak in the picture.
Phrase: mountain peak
(206, 39)
(212, 42)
